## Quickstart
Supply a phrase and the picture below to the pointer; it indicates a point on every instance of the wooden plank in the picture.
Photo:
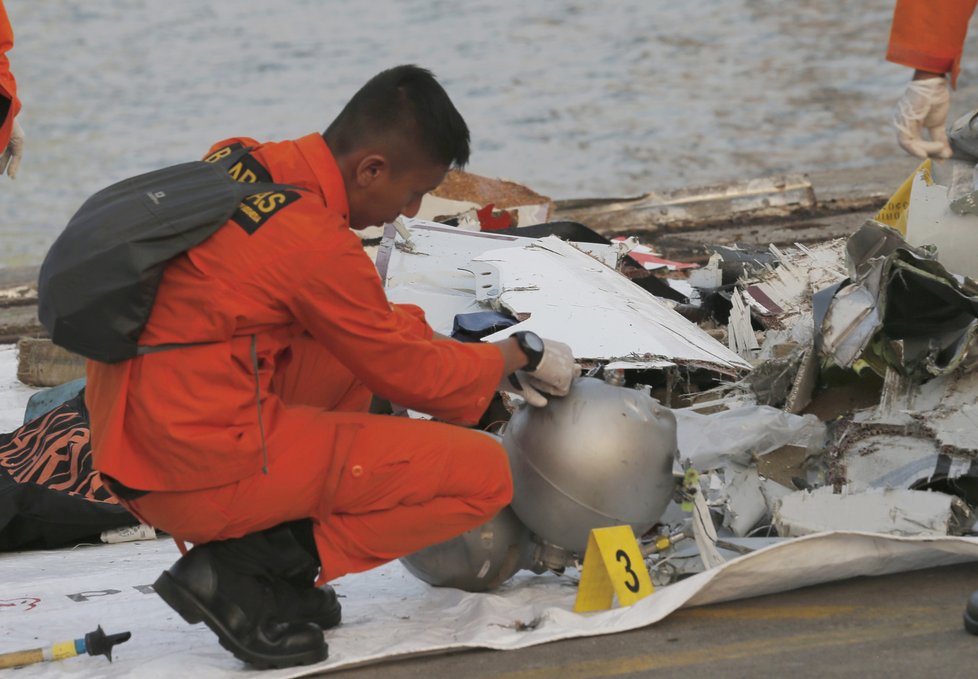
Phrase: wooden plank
(18, 304)
(43, 364)
(19, 321)
(779, 196)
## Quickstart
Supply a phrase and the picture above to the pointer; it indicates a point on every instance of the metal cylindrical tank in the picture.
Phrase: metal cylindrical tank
(477, 560)
(600, 456)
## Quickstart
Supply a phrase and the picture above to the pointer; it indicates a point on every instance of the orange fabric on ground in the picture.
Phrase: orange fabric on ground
(8, 85)
(288, 280)
(928, 35)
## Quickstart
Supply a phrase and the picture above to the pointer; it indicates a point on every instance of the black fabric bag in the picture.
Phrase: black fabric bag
(98, 281)
(50, 495)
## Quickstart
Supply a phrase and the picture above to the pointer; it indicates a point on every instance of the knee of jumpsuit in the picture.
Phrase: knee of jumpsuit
(475, 486)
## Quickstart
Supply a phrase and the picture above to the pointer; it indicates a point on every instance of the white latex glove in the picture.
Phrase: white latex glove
(924, 105)
(553, 376)
(10, 158)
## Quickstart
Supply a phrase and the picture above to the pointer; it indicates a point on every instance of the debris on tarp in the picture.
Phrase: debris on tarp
(900, 308)
(820, 387)
(783, 322)
(942, 215)
(552, 287)
(892, 511)
(761, 197)
(649, 259)
(825, 318)
(483, 201)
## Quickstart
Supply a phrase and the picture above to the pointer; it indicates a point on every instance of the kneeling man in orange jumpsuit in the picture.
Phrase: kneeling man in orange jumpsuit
(254, 442)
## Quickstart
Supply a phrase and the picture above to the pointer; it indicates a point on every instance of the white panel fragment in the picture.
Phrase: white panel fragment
(894, 512)
(568, 295)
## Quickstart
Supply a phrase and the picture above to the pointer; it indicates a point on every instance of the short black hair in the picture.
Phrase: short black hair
(408, 101)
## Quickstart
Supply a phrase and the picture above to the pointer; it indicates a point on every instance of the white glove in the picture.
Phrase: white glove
(924, 104)
(10, 158)
(553, 375)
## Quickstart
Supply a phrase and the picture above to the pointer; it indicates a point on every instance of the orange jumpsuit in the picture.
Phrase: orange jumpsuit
(286, 287)
(928, 35)
(9, 104)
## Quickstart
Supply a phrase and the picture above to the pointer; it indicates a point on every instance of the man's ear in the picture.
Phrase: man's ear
(370, 168)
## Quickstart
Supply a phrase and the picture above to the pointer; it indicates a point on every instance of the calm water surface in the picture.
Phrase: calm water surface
(575, 99)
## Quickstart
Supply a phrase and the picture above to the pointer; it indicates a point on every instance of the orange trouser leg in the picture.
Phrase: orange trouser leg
(376, 487)
(405, 484)
(312, 376)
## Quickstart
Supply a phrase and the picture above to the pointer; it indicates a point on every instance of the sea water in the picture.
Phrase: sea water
(574, 99)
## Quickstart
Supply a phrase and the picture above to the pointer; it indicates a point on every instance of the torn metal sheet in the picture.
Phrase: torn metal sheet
(740, 333)
(564, 293)
(553, 287)
(709, 277)
(932, 221)
(739, 435)
(782, 298)
(786, 291)
(436, 273)
(920, 436)
(894, 461)
(705, 533)
(743, 261)
(892, 512)
(916, 316)
(745, 504)
(650, 260)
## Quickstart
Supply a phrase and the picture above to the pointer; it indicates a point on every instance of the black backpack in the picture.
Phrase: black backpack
(98, 281)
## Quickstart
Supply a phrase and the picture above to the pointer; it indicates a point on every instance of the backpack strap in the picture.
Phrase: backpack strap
(142, 349)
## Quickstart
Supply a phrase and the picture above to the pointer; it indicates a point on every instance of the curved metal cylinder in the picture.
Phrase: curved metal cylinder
(600, 456)
(477, 560)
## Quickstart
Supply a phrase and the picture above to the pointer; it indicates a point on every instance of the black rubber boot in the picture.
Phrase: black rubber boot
(297, 603)
(297, 599)
(971, 613)
(234, 597)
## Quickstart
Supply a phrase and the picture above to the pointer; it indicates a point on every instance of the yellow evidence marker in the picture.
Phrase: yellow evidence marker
(613, 564)
(894, 213)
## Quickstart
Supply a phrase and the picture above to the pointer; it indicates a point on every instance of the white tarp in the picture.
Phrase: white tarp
(55, 595)
(13, 394)
(50, 596)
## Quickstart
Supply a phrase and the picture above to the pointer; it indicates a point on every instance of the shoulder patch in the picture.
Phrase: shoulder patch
(223, 152)
(257, 209)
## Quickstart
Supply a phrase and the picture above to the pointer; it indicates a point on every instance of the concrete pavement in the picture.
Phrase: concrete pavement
(908, 624)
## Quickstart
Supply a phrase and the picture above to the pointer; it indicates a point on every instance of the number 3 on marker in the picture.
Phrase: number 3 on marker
(613, 565)
(633, 586)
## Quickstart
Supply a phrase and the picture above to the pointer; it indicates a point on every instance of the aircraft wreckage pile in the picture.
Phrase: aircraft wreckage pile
(767, 395)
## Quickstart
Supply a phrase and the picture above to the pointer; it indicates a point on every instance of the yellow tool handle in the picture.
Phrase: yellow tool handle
(19, 658)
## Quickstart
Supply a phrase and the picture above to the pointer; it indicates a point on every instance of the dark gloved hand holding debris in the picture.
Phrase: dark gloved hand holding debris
(550, 370)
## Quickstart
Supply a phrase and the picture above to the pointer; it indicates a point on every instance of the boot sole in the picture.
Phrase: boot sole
(191, 610)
